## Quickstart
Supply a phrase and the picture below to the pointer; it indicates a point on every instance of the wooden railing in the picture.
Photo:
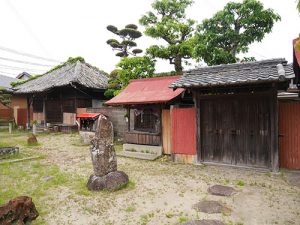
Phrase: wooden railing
(143, 138)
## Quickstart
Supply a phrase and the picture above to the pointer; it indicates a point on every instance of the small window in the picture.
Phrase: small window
(146, 120)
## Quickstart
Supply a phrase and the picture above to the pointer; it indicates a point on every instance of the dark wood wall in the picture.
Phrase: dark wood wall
(63, 100)
(143, 138)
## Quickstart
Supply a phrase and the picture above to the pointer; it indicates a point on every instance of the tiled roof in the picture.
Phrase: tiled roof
(236, 74)
(5, 81)
(72, 73)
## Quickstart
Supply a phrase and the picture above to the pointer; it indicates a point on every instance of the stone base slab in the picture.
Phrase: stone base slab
(86, 136)
(9, 150)
(157, 150)
(111, 181)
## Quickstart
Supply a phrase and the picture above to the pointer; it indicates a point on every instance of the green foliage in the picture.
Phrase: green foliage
(70, 60)
(5, 97)
(168, 22)
(231, 31)
(128, 69)
(135, 68)
(298, 6)
(19, 82)
(114, 84)
(164, 74)
(297, 45)
(127, 36)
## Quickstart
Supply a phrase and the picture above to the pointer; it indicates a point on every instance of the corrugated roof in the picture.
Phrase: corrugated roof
(72, 73)
(234, 74)
(149, 90)
(5, 81)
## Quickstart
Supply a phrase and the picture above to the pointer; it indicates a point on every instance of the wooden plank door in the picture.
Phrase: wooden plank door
(166, 131)
(53, 111)
(236, 131)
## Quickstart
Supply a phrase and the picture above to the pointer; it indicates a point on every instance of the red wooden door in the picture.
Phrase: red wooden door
(22, 117)
(289, 135)
(184, 131)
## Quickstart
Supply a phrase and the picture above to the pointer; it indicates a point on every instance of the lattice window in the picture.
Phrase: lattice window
(146, 120)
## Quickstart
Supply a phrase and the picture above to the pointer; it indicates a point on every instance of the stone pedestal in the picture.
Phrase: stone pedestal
(104, 159)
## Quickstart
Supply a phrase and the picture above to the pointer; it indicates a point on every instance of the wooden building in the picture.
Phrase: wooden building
(237, 111)
(148, 104)
(56, 95)
(16, 110)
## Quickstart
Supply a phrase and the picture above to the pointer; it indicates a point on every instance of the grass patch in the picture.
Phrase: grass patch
(130, 185)
(118, 147)
(183, 219)
(14, 156)
(37, 180)
(240, 183)
(145, 219)
(130, 209)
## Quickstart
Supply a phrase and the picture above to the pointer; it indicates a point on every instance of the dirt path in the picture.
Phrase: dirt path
(165, 192)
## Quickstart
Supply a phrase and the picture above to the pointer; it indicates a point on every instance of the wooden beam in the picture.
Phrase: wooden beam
(198, 126)
(274, 131)
(44, 111)
(28, 113)
(128, 117)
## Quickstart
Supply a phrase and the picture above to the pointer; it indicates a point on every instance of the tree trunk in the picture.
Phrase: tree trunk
(178, 64)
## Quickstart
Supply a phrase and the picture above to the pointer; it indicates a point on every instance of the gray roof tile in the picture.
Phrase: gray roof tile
(233, 74)
(72, 73)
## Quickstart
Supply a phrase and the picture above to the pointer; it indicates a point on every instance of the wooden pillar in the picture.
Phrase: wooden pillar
(198, 126)
(274, 131)
(128, 117)
(44, 111)
(28, 113)
(61, 106)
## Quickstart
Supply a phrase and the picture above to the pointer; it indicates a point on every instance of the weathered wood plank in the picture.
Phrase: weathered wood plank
(237, 129)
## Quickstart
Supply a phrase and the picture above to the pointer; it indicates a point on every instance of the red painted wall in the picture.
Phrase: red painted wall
(6, 114)
(184, 131)
(289, 135)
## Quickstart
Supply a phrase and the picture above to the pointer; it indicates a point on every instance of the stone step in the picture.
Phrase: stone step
(138, 155)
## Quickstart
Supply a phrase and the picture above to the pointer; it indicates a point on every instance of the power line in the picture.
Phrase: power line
(7, 73)
(27, 54)
(24, 62)
(18, 68)
(26, 25)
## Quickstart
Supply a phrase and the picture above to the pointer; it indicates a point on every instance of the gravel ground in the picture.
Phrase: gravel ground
(163, 192)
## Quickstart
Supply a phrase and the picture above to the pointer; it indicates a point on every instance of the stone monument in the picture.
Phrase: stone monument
(104, 159)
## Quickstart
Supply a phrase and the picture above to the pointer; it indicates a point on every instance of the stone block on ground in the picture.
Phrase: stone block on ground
(211, 207)
(112, 181)
(221, 190)
(203, 222)
(32, 139)
(20, 211)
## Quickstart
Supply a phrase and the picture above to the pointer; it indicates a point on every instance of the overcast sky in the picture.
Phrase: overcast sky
(57, 29)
